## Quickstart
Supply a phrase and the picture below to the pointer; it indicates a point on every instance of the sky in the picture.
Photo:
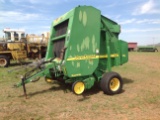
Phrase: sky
(139, 19)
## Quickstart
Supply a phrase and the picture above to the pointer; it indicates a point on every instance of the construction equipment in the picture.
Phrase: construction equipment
(37, 45)
(18, 47)
(82, 49)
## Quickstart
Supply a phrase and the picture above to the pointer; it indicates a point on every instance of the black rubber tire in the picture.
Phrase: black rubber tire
(106, 81)
(6, 60)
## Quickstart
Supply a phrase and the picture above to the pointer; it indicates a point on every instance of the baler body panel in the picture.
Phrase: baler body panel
(83, 42)
(81, 39)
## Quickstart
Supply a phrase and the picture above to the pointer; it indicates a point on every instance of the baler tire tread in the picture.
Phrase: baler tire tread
(6, 59)
(105, 83)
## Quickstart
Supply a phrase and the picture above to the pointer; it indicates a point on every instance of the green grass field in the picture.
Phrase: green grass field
(140, 99)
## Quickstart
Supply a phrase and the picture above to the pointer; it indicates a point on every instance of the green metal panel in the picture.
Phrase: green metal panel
(123, 51)
(83, 42)
(109, 44)
(56, 22)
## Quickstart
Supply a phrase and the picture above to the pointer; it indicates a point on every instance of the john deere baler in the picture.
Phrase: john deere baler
(82, 49)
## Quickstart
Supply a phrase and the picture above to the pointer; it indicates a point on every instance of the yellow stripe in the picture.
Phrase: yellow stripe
(86, 57)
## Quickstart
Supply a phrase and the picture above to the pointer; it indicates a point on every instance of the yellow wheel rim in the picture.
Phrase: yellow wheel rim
(48, 80)
(79, 88)
(114, 84)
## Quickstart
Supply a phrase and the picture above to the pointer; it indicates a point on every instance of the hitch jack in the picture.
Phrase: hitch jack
(24, 87)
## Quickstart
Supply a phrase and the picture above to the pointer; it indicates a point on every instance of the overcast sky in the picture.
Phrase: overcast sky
(139, 19)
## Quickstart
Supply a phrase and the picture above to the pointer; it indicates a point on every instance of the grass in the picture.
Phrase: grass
(139, 100)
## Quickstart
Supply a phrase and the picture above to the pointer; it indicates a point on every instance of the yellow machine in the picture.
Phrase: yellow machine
(18, 47)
